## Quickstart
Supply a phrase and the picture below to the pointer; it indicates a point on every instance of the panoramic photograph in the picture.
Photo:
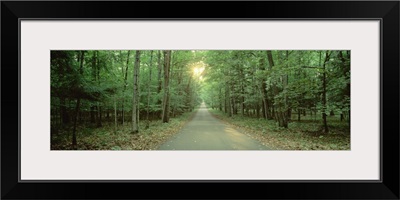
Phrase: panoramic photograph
(200, 100)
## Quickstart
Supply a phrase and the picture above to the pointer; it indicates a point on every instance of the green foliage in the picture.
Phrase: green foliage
(293, 83)
(271, 85)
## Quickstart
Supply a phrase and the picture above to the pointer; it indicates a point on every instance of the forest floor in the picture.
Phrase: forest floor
(302, 135)
(104, 138)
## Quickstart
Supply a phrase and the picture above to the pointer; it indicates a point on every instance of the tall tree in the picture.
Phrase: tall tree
(98, 106)
(149, 90)
(159, 83)
(135, 98)
(93, 107)
(327, 57)
(78, 102)
(125, 84)
(167, 62)
(273, 86)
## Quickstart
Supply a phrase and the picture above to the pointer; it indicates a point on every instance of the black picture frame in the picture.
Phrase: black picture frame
(386, 11)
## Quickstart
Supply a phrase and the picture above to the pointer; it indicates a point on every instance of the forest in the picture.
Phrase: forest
(139, 99)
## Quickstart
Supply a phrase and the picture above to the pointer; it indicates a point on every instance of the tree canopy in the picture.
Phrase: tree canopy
(123, 87)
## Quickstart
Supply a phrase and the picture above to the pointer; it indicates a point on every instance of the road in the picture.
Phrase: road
(205, 132)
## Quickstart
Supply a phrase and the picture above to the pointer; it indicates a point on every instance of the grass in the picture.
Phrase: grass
(104, 138)
(302, 135)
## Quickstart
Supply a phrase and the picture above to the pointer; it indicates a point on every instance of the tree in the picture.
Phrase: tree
(78, 101)
(159, 83)
(135, 98)
(167, 62)
(61, 67)
(125, 84)
(327, 55)
(149, 91)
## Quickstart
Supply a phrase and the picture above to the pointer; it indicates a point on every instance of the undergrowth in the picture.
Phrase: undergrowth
(104, 138)
(302, 135)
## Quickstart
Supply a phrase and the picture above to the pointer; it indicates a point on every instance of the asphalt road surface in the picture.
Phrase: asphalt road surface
(205, 132)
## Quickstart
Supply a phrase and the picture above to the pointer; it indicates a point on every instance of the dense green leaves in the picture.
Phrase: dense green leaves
(96, 87)
(276, 84)
(102, 83)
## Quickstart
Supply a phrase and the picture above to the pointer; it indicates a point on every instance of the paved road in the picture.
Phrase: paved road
(205, 132)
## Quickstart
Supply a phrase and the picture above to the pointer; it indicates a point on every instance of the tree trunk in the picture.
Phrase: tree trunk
(93, 108)
(98, 83)
(267, 104)
(220, 99)
(258, 110)
(165, 113)
(242, 102)
(135, 98)
(172, 104)
(264, 109)
(298, 114)
(159, 83)
(233, 106)
(64, 114)
(78, 102)
(123, 91)
(74, 143)
(232, 98)
(149, 91)
(286, 111)
(115, 114)
(99, 124)
(228, 100)
(275, 112)
(188, 94)
(92, 114)
(324, 93)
